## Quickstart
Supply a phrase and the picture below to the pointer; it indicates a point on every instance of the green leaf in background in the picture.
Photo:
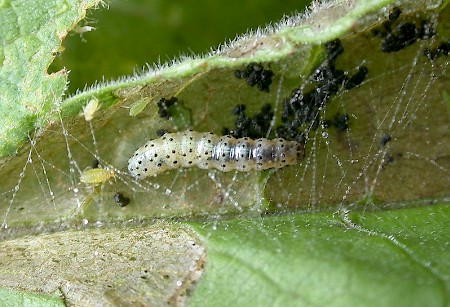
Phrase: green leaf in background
(131, 34)
(363, 219)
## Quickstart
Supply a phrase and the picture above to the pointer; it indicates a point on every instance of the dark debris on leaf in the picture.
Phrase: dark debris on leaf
(339, 121)
(397, 35)
(301, 112)
(164, 105)
(385, 138)
(120, 199)
(255, 74)
(442, 49)
(254, 127)
(356, 79)
(95, 163)
(395, 13)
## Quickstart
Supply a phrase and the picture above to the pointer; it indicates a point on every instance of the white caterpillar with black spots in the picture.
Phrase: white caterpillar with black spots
(207, 150)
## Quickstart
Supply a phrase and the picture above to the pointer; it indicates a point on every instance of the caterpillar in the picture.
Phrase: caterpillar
(207, 150)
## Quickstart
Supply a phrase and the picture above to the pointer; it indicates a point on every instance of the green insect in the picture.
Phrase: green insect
(90, 108)
(96, 176)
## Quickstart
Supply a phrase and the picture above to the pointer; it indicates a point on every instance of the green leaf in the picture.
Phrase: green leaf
(391, 258)
(10, 297)
(31, 33)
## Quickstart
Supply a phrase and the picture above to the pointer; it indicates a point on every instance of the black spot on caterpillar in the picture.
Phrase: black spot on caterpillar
(207, 150)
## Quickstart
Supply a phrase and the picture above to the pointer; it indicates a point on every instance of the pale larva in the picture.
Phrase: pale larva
(207, 150)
